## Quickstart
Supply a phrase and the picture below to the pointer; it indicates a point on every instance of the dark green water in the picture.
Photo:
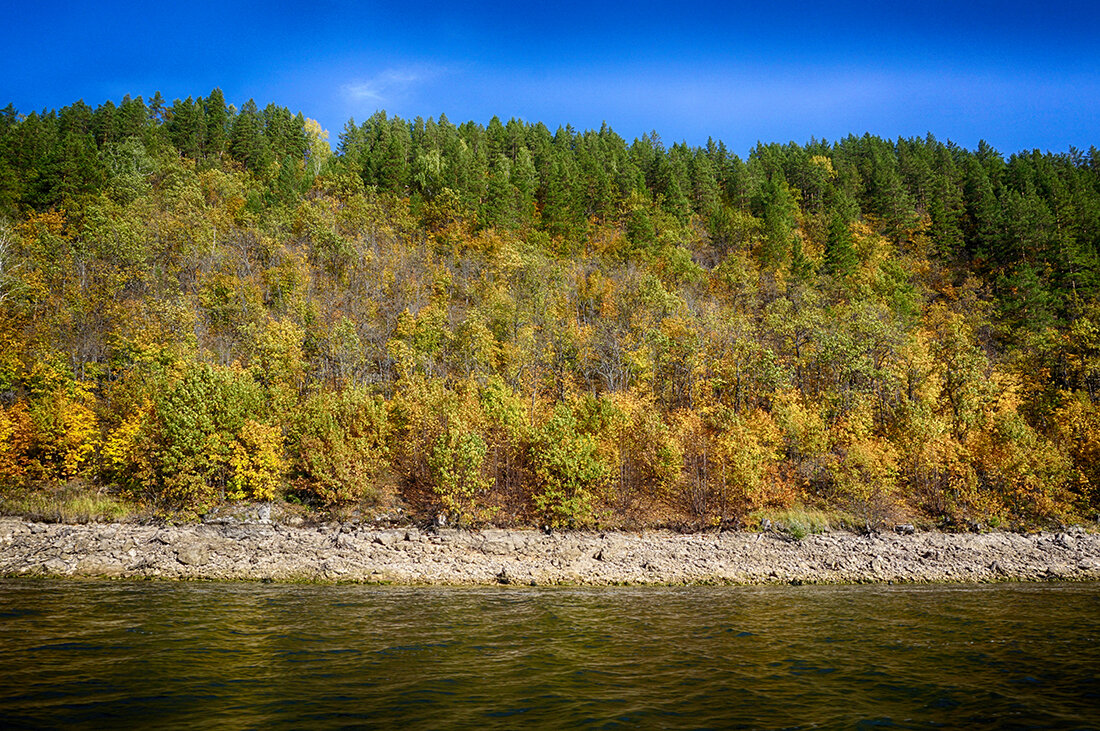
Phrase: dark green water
(109, 655)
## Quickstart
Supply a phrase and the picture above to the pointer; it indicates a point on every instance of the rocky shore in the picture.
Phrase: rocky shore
(260, 550)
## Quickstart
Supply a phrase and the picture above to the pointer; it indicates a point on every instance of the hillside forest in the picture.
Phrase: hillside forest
(510, 325)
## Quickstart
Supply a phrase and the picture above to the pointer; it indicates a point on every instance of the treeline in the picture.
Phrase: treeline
(509, 324)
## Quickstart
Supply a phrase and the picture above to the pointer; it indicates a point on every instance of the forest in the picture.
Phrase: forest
(509, 325)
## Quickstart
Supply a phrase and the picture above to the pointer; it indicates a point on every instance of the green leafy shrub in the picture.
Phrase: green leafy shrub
(457, 464)
(195, 430)
(568, 470)
(338, 445)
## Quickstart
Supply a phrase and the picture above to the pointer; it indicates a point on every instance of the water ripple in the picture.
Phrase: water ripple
(97, 654)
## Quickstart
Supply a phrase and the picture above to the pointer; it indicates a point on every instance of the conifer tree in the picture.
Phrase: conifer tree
(840, 253)
(524, 179)
(105, 123)
(133, 117)
(776, 208)
(157, 108)
(247, 141)
(187, 127)
(217, 123)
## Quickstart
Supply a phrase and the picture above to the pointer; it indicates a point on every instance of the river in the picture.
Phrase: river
(101, 654)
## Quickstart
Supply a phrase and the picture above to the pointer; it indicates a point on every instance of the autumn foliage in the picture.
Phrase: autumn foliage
(509, 325)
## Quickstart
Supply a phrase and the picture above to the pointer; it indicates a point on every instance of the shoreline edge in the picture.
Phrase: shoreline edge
(338, 553)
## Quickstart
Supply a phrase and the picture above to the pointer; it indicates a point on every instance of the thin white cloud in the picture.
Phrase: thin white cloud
(389, 85)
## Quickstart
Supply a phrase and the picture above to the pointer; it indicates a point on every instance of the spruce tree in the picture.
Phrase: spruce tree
(840, 253)
(247, 141)
(217, 124)
(187, 127)
(133, 117)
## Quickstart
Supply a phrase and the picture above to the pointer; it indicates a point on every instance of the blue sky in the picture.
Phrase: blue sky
(1020, 75)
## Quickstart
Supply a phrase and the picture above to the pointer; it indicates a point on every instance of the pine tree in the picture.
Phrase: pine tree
(105, 123)
(704, 185)
(247, 141)
(672, 182)
(187, 127)
(840, 253)
(217, 124)
(984, 221)
(525, 180)
(499, 207)
(157, 107)
(775, 206)
(133, 117)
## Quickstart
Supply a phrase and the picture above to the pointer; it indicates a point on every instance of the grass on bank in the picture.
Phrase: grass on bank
(800, 522)
(69, 503)
(80, 502)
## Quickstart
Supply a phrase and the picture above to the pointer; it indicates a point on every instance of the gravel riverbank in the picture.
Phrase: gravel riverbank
(266, 551)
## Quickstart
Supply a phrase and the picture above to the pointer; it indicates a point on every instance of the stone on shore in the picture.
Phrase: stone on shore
(262, 550)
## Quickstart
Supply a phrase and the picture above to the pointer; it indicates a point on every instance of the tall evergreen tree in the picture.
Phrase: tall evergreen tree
(247, 141)
(187, 127)
(133, 117)
(840, 253)
(217, 123)
(105, 123)
(775, 206)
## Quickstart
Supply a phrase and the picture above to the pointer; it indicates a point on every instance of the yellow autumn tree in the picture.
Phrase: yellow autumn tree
(66, 432)
(256, 462)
